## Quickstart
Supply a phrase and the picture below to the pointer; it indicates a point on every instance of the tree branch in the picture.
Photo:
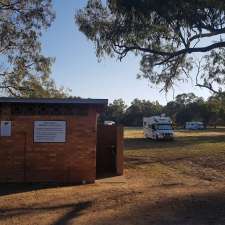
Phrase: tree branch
(170, 54)
(208, 86)
(213, 33)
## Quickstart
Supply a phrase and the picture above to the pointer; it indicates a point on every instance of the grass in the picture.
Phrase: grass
(177, 182)
(198, 154)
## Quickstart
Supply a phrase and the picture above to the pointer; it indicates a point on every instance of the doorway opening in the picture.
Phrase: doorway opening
(109, 151)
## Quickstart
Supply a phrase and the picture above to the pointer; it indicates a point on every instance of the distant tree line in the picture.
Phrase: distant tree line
(185, 107)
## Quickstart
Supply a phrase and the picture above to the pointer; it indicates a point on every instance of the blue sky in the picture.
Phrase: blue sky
(76, 66)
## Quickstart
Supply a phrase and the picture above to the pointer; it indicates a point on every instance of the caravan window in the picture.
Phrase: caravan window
(164, 127)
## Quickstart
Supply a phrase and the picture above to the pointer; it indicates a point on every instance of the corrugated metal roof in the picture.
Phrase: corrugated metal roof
(54, 100)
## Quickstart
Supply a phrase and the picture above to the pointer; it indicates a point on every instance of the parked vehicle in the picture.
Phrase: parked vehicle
(158, 127)
(109, 123)
(195, 125)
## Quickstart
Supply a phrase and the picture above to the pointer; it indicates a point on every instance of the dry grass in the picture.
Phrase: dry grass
(192, 157)
(177, 182)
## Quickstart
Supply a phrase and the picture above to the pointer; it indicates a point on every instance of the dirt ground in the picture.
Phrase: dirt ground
(180, 182)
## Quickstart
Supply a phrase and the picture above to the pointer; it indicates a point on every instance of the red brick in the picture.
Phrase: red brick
(73, 161)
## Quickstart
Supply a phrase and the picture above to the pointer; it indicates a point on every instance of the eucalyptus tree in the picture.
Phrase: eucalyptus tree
(24, 70)
(174, 38)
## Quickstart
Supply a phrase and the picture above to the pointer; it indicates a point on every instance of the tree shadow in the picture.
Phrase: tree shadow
(14, 188)
(218, 129)
(198, 209)
(74, 211)
(195, 209)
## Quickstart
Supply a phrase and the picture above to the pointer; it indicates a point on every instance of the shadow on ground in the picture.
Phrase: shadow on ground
(192, 209)
(198, 209)
(14, 188)
(100, 176)
(74, 211)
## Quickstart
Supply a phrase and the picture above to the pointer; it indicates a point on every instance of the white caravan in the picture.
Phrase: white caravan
(158, 127)
(194, 125)
(108, 122)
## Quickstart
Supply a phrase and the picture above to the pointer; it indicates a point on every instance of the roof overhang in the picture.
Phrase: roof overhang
(77, 101)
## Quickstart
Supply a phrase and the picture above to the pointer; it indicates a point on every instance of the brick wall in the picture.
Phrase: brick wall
(21, 160)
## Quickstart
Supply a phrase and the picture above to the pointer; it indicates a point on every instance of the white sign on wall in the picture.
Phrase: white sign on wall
(50, 131)
(6, 127)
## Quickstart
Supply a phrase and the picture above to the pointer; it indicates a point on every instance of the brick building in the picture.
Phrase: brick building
(50, 140)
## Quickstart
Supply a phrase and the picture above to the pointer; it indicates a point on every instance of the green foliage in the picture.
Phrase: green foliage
(42, 87)
(188, 107)
(216, 109)
(132, 115)
(139, 109)
(185, 108)
(24, 71)
(115, 111)
(166, 34)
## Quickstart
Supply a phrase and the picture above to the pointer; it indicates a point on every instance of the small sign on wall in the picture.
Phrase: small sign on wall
(6, 128)
(49, 131)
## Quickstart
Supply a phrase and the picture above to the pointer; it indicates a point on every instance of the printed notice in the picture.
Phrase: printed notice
(50, 131)
(6, 127)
